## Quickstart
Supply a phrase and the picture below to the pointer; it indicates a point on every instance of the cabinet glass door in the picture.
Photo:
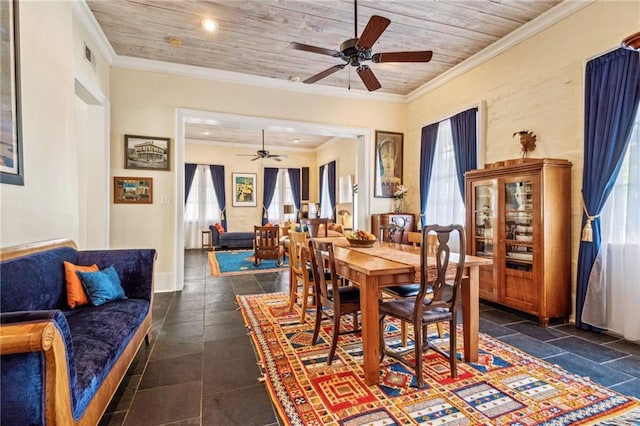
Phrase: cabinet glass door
(485, 204)
(518, 211)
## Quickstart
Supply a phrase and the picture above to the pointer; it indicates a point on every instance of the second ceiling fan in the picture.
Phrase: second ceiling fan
(262, 153)
(358, 49)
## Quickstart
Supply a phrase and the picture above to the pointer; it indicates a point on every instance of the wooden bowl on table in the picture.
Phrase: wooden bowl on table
(361, 243)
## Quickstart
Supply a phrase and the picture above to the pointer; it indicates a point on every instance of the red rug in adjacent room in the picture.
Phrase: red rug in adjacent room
(505, 387)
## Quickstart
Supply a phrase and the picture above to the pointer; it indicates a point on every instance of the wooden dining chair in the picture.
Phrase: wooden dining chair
(301, 285)
(341, 300)
(317, 227)
(266, 244)
(414, 238)
(430, 307)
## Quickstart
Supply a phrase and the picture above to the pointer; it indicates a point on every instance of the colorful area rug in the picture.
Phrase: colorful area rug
(505, 387)
(240, 262)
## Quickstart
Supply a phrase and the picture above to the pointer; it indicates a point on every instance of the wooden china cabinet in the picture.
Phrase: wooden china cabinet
(518, 214)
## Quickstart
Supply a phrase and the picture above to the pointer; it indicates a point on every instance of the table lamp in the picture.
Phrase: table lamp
(288, 209)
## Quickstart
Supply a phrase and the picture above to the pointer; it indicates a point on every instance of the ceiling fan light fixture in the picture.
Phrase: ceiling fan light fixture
(209, 24)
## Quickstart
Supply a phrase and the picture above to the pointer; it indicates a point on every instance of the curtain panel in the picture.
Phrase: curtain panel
(189, 173)
(427, 152)
(296, 188)
(270, 180)
(612, 92)
(331, 177)
(464, 132)
(322, 184)
(217, 176)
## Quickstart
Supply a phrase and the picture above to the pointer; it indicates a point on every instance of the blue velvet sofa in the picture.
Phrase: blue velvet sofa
(61, 366)
(231, 239)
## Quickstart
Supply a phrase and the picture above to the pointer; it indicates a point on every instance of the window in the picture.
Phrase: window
(281, 196)
(620, 250)
(445, 204)
(202, 207)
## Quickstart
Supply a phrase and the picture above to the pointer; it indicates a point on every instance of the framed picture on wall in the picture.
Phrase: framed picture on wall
(11, 163)
(146, 152)
(133, 190)
(244, 190)
(388, 163)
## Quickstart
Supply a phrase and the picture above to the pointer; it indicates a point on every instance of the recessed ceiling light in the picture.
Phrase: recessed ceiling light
(209, 24)
(206, 133)
(175, 41)
(296, 141)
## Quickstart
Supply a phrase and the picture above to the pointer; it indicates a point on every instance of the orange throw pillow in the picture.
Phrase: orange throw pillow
(76, 295)
(219, 228)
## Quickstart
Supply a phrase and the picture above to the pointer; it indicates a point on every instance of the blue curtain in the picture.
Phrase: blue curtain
(189, 173)
(427, 152)
(321, 186)
(331, 177)
(217, 176)
(270, 180)
(463, 129)
(296, 188)
(612, 92)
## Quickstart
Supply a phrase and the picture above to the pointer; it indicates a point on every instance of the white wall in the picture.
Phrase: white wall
(47, 205)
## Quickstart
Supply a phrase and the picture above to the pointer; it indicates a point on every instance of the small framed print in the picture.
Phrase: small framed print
(244, 189)
(133, 190)
(146, 152)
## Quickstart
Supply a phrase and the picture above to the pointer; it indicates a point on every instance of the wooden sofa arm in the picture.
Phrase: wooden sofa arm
(43, 336)
(28, 337)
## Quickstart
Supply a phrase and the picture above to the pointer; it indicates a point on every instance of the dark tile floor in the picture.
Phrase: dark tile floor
(201, 367)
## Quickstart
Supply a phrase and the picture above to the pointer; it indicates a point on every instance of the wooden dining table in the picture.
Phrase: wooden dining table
(371, 269)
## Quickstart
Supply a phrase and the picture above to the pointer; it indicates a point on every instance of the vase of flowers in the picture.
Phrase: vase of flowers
(399, 194)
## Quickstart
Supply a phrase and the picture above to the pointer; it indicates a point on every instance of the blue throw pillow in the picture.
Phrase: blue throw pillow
(102, 286)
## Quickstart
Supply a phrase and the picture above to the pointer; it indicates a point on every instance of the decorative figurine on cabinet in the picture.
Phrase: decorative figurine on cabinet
(527, 140)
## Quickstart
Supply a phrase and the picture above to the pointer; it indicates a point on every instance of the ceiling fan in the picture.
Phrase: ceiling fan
(358, 49)
(262, 153)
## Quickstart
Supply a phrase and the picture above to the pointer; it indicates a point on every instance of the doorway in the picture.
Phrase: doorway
(184, 116)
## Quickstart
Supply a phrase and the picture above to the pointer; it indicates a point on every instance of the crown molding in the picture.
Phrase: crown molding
(90, 24)
(192, 71)
(531, 28)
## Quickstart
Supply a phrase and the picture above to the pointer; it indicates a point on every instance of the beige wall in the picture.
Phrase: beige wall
(144, 103)
(47, 205)
(243, 218)
(537, 86)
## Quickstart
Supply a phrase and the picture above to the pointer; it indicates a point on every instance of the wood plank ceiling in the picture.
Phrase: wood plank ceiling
(252, 38)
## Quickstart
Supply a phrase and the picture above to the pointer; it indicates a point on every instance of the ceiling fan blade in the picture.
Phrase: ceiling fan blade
(374, 29)
(324, 74)
(417, 56)
(255, 158)
(368, 78)
(313, 49)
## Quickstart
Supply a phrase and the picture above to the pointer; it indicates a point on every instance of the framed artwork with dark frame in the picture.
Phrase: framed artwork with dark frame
(244, 190)
(133, 190)
(146, 152)
(11, 163)
(388, 163)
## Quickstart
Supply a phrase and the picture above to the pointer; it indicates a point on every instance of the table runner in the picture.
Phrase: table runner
(406, 257)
